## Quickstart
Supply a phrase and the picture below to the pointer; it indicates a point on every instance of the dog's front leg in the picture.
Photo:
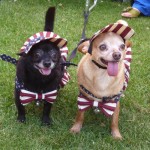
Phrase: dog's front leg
(20, 108)
(114, 124)
(78, 122)
(46, 113)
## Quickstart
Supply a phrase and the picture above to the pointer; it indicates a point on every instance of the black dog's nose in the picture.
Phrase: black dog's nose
(47, 64)
(116, 55)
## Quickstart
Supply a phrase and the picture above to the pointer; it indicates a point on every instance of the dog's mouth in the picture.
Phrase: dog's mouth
(112, 67)
(44, 71)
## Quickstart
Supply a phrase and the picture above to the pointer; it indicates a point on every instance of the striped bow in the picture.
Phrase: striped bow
(27, 96)
(107, 108)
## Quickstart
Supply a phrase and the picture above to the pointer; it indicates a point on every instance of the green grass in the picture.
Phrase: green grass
(21, 19)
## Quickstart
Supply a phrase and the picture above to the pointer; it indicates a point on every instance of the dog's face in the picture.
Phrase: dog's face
(45, 56)
(109, 50)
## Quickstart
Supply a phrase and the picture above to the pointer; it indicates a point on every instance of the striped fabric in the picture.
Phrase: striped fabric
(26, 96)
(36, 38)
(108, 107)
(124, 31)
(65, 79)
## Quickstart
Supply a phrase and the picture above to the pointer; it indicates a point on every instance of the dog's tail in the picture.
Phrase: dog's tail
(9, 59)
(49, 19)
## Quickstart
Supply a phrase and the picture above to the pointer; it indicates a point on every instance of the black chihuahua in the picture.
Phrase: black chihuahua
(39, 70)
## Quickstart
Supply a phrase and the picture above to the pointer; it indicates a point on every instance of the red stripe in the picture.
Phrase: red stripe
(41, 34)
(108, 107)
(27, 94)
(106, 29)
(125, 32)
(64, 51)
(117, 28)
(128, 53)
(35, 36)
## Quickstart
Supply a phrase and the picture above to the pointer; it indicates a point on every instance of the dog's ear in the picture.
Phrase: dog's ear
(49, 19)
(23, 54)
(128, 43)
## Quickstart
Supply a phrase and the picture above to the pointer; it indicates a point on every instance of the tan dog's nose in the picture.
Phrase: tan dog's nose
(116, 55)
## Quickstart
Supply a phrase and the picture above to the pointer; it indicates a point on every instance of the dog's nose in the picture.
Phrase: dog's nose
(116, 55)
(46, 64)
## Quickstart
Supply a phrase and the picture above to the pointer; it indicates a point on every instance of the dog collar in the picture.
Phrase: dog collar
(103, 99)
(124, 31)
(38, 37)
(98, 65)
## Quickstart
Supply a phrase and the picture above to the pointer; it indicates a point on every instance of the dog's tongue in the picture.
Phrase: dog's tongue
(46, 71)
(112, 68)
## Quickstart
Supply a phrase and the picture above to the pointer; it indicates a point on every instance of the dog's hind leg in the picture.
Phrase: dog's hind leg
(114, 124)
(46, 112)
(78, 122)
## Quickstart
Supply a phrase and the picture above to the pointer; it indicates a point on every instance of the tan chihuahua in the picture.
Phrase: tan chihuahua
(103, 73)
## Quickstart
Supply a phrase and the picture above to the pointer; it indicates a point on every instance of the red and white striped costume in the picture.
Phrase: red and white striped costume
(108, 107)
(28, 96)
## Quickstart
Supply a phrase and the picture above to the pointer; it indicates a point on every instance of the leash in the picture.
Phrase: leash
(9, 59)
(83, 38)
(14, 61)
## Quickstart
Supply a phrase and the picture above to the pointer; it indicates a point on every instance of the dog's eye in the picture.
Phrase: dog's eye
(122, 47)
(37, 56)
(103, 47)
(54, 57)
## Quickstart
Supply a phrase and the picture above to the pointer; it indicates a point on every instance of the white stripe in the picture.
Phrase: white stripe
(127, 63)
(121, 30)
(112, 28)
(64, 80)
(111, 104)
(128, 56)
(63, 48)
(108, 111)
(82, 107)
(62, 42)
(28, 92)
(25, 104)
(32, 37)
(64, 54)
(82, 99)
(44, 33)
(52, 97)
(38, 34)
(129, 49)
(24, 98)
(51, 35)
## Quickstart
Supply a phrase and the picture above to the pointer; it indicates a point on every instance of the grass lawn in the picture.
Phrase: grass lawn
(19, 19)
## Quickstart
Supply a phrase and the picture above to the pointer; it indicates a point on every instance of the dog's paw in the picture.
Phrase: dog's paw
(21, 118)
(116, 135)
(46, 121)
(76, 128)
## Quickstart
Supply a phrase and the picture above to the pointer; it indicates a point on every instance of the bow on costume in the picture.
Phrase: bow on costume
(107, 108)
(27, 96)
